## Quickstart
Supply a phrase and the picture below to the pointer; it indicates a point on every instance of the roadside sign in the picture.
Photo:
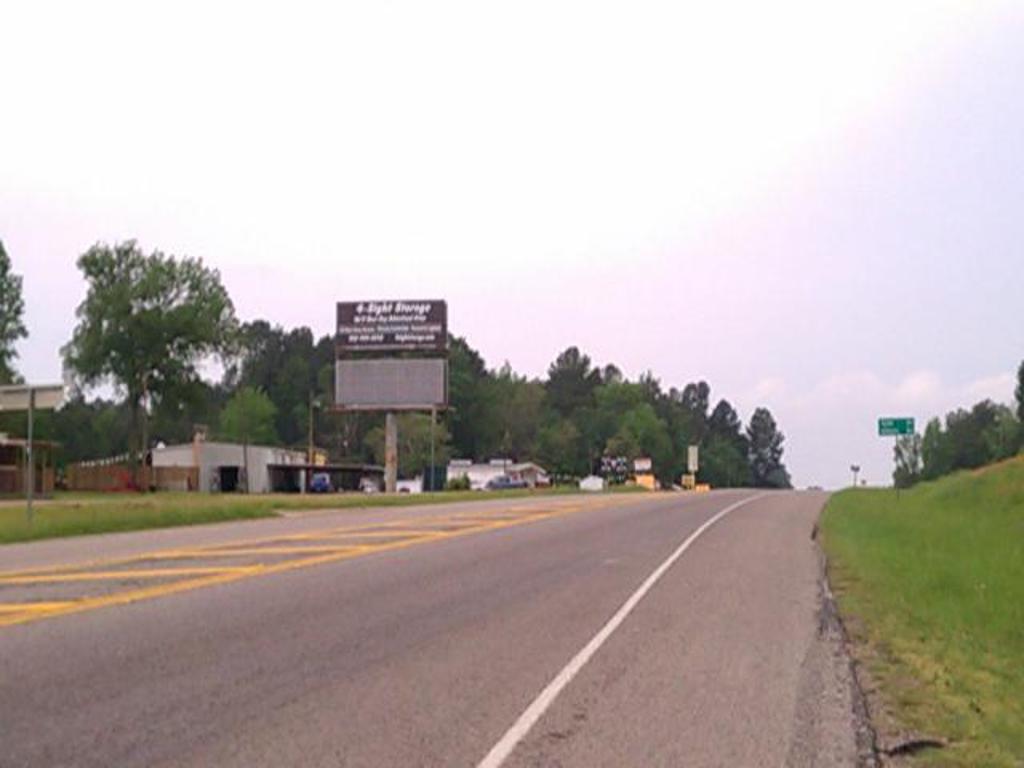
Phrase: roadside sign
(692, 464)
(30, 397)
(392, 326)
(890, 427)
(18, 397)
(642, 466)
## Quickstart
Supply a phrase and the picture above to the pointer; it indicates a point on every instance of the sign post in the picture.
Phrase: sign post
(895, 427)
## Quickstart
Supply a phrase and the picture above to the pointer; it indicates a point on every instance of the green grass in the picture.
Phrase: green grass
(931, 586)
(75, 514)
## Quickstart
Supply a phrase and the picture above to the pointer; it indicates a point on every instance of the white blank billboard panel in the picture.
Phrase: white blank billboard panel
(414, 384)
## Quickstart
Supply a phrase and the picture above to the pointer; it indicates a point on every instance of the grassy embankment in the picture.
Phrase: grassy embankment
(931, 586)
(82, 513)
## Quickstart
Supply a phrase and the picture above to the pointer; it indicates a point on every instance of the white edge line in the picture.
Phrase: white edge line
(501, 751)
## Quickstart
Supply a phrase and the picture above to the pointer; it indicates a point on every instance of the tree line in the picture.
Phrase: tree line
(967, 439)
(150, 322)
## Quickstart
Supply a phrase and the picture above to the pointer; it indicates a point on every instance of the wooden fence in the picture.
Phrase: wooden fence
(122, 477)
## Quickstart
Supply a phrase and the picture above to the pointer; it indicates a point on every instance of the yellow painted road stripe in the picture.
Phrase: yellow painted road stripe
(250, 551)
(145, 573)
(24, 613)
(396, 533)
(28, 607)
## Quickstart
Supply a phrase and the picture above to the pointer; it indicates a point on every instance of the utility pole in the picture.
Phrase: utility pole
(30, 455)
(309, 451)
(245, 448)
(855, 468)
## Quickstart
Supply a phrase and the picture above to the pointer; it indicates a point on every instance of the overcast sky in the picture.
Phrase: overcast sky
(816, 207)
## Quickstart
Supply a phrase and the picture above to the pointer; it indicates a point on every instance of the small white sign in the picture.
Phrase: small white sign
(692, 465)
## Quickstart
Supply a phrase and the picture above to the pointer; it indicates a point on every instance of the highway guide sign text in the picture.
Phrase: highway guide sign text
(392, 326)
(890, 427)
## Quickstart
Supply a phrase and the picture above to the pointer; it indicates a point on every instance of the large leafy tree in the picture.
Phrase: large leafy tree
(936, 456)
(12, 309)
(248, 417)
(766, 440)
(642, 433)
(291, 367)
(1019, 393)
(559, 448)
(907, 456)
(146, 324)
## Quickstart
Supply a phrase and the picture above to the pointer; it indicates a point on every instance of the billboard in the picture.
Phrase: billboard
(392, 326)
(391, 385)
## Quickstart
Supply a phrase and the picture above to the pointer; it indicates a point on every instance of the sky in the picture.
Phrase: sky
(815, 207)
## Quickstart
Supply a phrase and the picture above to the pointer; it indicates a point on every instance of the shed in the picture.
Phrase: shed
(14, 463)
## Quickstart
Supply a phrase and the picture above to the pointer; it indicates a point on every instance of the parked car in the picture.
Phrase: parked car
(504, 482)
(321, 483)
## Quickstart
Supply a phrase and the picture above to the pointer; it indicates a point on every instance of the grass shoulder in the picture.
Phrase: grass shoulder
(931, 585)
(75, 514)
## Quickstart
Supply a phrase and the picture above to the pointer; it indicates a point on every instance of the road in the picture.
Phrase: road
(568, 631)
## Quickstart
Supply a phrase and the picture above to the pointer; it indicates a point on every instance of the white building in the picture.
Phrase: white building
(480, 475)
(222, 466)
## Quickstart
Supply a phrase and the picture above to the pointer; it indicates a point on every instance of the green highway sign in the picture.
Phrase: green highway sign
(891, 427)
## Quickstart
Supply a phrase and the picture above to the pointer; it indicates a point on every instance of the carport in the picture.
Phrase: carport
(290, 478)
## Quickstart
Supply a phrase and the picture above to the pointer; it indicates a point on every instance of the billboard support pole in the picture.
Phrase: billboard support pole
(390, 453)
(433, 472)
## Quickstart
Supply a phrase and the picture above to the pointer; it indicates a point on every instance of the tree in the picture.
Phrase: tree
(935, 454)
(1019, 393)
(288, 366)
(516, 404)
(248, 417)
(12, 308)
(642, 434)
(965, 435)
(469, 414)
(766, 465)
(558, 448)
(907, 455)
(571, 382)
(146, 323)
(413, 444)
(1002, 437)
(724, 462)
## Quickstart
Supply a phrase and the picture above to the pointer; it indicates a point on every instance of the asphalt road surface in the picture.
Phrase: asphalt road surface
(569, 631)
